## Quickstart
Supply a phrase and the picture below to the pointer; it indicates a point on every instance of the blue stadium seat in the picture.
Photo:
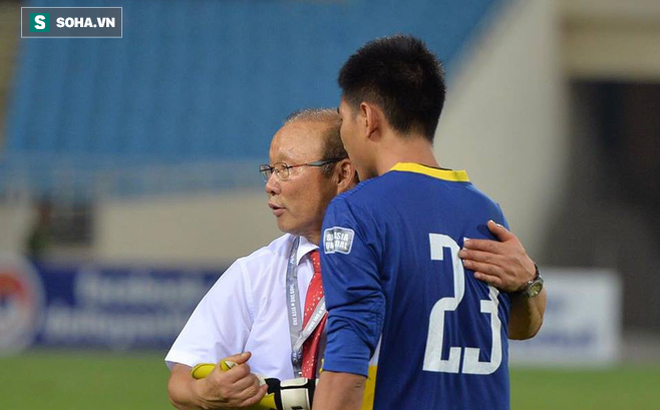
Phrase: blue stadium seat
(202, 80)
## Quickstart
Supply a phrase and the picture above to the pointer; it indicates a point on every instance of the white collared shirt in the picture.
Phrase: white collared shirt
(246, 310)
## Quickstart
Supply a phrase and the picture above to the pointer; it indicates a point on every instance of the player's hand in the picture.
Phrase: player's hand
(233, 388)
(504, 264)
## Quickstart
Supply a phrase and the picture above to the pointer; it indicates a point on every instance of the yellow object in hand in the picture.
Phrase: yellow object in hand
(202, 370)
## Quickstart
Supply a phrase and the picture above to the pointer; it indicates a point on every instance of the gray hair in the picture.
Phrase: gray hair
(315, 115)
(332, 145)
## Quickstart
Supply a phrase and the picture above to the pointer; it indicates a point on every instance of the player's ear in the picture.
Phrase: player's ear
(372, 118)
(346, 175)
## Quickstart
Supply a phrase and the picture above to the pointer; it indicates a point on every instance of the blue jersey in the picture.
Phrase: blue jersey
(402, 308)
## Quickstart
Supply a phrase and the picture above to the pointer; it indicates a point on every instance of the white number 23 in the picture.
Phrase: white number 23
(433, 360)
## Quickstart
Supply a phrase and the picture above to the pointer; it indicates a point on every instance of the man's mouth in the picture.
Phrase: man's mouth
(277, 210)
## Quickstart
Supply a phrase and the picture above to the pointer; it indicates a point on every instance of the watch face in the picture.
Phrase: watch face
(535, 289)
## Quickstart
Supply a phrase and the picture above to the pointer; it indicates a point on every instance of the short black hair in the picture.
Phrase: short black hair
(403, 77)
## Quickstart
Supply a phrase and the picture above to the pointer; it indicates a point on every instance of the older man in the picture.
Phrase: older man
(248, 308)
(265, 301)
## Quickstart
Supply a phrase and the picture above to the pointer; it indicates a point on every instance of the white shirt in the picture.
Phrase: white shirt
(246, 310)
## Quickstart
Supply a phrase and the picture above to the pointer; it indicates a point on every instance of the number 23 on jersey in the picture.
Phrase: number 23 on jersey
(433, 360)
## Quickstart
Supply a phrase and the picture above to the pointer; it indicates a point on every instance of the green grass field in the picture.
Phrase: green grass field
(104, 381)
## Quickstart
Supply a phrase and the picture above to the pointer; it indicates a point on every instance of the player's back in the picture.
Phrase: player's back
(444, 334)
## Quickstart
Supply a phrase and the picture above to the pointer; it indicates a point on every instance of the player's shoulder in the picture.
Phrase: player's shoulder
(360, 193)
(477, 195)
(368, 196)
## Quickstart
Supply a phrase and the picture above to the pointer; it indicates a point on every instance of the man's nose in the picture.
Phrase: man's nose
(272, 185)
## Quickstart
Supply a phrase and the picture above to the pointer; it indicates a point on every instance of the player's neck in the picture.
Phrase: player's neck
(395, 149)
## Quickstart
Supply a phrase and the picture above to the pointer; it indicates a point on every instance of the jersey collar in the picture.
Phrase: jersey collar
(445, 174)
(304, 248)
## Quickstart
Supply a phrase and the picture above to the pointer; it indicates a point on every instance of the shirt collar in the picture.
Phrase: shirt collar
(304, 248)
(440, 173)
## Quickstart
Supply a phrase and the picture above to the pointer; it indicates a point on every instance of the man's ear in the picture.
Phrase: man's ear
(373, 118)
(346, 175)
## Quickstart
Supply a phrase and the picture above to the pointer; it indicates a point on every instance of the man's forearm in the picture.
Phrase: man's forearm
(526, 316)
(180, 389)
(339, 391)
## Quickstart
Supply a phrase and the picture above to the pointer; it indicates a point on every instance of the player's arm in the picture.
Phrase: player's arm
(356, 306)
(234, 388)
(505, 265)
(339, 391)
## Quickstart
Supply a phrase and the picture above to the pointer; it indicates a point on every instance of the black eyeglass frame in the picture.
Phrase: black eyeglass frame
(266, 170)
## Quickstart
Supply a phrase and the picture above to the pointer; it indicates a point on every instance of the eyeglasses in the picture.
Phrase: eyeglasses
(283, 170)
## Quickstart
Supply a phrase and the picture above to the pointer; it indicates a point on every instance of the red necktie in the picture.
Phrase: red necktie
(314, 295)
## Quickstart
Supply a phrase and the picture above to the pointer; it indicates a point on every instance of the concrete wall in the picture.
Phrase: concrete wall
(504, 122)
(612, 39)
(16, 216)
(200, 229)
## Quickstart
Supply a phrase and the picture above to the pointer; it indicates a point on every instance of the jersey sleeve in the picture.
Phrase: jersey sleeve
(353, 291)
(220, 324)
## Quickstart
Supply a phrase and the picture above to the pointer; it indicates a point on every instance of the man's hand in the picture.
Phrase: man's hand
(292, 394)
(504, 264)
(234, 388)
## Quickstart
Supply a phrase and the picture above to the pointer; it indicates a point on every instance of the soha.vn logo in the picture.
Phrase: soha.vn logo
(21, 304)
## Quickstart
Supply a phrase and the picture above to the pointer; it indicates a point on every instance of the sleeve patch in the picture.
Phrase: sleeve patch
(338, 239)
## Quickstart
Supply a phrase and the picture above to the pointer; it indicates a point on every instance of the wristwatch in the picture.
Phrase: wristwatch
(533, 287)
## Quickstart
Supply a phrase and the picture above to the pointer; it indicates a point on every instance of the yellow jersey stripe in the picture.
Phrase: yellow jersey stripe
(445, 174)
(370, 389)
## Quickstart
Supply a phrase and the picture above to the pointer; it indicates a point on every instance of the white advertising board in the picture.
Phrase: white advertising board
(582, 324)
